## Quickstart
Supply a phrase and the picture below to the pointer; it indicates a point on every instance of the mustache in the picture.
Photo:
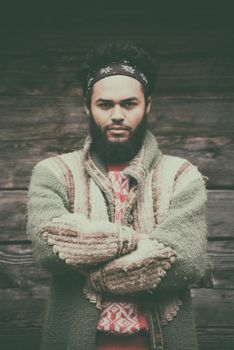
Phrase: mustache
(116, 127)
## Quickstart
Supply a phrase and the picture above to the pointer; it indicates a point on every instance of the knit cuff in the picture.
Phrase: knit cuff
(95, 279)
(127, 241)
(141, 270)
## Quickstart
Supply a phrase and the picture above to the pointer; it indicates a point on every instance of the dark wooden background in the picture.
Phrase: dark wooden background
(41, 114)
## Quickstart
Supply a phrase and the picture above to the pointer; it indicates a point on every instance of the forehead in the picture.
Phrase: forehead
(117, 87)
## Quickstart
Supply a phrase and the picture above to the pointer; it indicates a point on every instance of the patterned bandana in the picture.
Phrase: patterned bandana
(114, 68)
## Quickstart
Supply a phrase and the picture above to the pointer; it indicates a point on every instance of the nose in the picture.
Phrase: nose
(117, 114)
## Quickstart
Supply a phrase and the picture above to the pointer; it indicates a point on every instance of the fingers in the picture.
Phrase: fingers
(55, 229)
(172, 259)
(165, 252)
(65, 256)
(161, 272)
(53, 238)
(75, 252)
(71, 261)
(71, 231)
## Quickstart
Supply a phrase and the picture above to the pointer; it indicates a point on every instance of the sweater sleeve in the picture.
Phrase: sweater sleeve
(184, 231)
(64, 241)
(47, 199)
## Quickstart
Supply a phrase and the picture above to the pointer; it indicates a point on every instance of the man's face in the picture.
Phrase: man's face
(118, 106)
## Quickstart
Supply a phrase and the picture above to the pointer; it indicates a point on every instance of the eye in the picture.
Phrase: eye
(104, 105)
(129, 104)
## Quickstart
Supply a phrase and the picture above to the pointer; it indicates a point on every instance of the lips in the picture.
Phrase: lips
(121, 128)
(118, 131)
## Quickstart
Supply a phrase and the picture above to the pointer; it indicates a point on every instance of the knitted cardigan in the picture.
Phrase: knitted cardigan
(71, 212)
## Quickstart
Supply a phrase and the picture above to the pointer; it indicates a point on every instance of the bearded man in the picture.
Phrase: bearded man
(120, 225)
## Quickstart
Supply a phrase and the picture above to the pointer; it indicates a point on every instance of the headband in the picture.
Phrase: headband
(114, 68)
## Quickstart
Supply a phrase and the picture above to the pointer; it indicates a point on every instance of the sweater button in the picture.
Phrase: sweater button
(130, 219)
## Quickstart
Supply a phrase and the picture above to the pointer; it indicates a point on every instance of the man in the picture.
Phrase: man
(120, 226)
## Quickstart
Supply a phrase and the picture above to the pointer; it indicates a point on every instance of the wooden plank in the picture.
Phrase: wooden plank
(194, 115)
(22, 311)
(38, 117)
(51, 74)
(26, 340)
(13, 215)
(41, 117)
(22, 314)
(215, 338)
(190, 34)
(211, 154)
(18, 268)
(220, 208)
(213, 307)
(105, 9)
(221, 258)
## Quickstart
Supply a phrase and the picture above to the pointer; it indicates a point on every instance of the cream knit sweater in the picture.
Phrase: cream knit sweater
(71, 224)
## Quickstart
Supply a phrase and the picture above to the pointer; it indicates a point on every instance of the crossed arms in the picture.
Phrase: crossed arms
(117, 259)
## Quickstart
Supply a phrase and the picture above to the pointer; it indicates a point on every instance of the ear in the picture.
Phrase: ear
(148, 104)
(87, 111)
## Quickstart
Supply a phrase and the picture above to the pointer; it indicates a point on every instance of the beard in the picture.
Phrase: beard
(116, 151)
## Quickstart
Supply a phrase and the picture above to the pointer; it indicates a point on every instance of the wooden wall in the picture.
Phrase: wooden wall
(41, 114)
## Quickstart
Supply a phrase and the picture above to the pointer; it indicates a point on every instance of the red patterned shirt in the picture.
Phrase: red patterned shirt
(120, 316)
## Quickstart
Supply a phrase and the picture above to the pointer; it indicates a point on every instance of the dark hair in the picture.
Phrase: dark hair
(105, 54)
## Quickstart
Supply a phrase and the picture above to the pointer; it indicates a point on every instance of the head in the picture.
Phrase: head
(117, 84)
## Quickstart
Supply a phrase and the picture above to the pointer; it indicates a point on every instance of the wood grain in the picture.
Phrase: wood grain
(215, 338)
(208, 312)
(56, 75)
(18, 268)
(184, 34)
(221, 257)
(220, 208)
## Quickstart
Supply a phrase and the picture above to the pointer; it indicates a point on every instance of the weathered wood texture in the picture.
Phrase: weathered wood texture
(54, 74)
(41, 114)
(173, 32)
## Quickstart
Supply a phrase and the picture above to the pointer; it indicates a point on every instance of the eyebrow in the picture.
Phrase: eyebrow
(124, 100)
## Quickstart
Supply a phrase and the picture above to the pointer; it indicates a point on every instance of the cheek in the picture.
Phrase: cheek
(99, 116)
(136, 116)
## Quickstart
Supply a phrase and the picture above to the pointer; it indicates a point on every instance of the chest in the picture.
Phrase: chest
(127, 202)
(145, 206)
